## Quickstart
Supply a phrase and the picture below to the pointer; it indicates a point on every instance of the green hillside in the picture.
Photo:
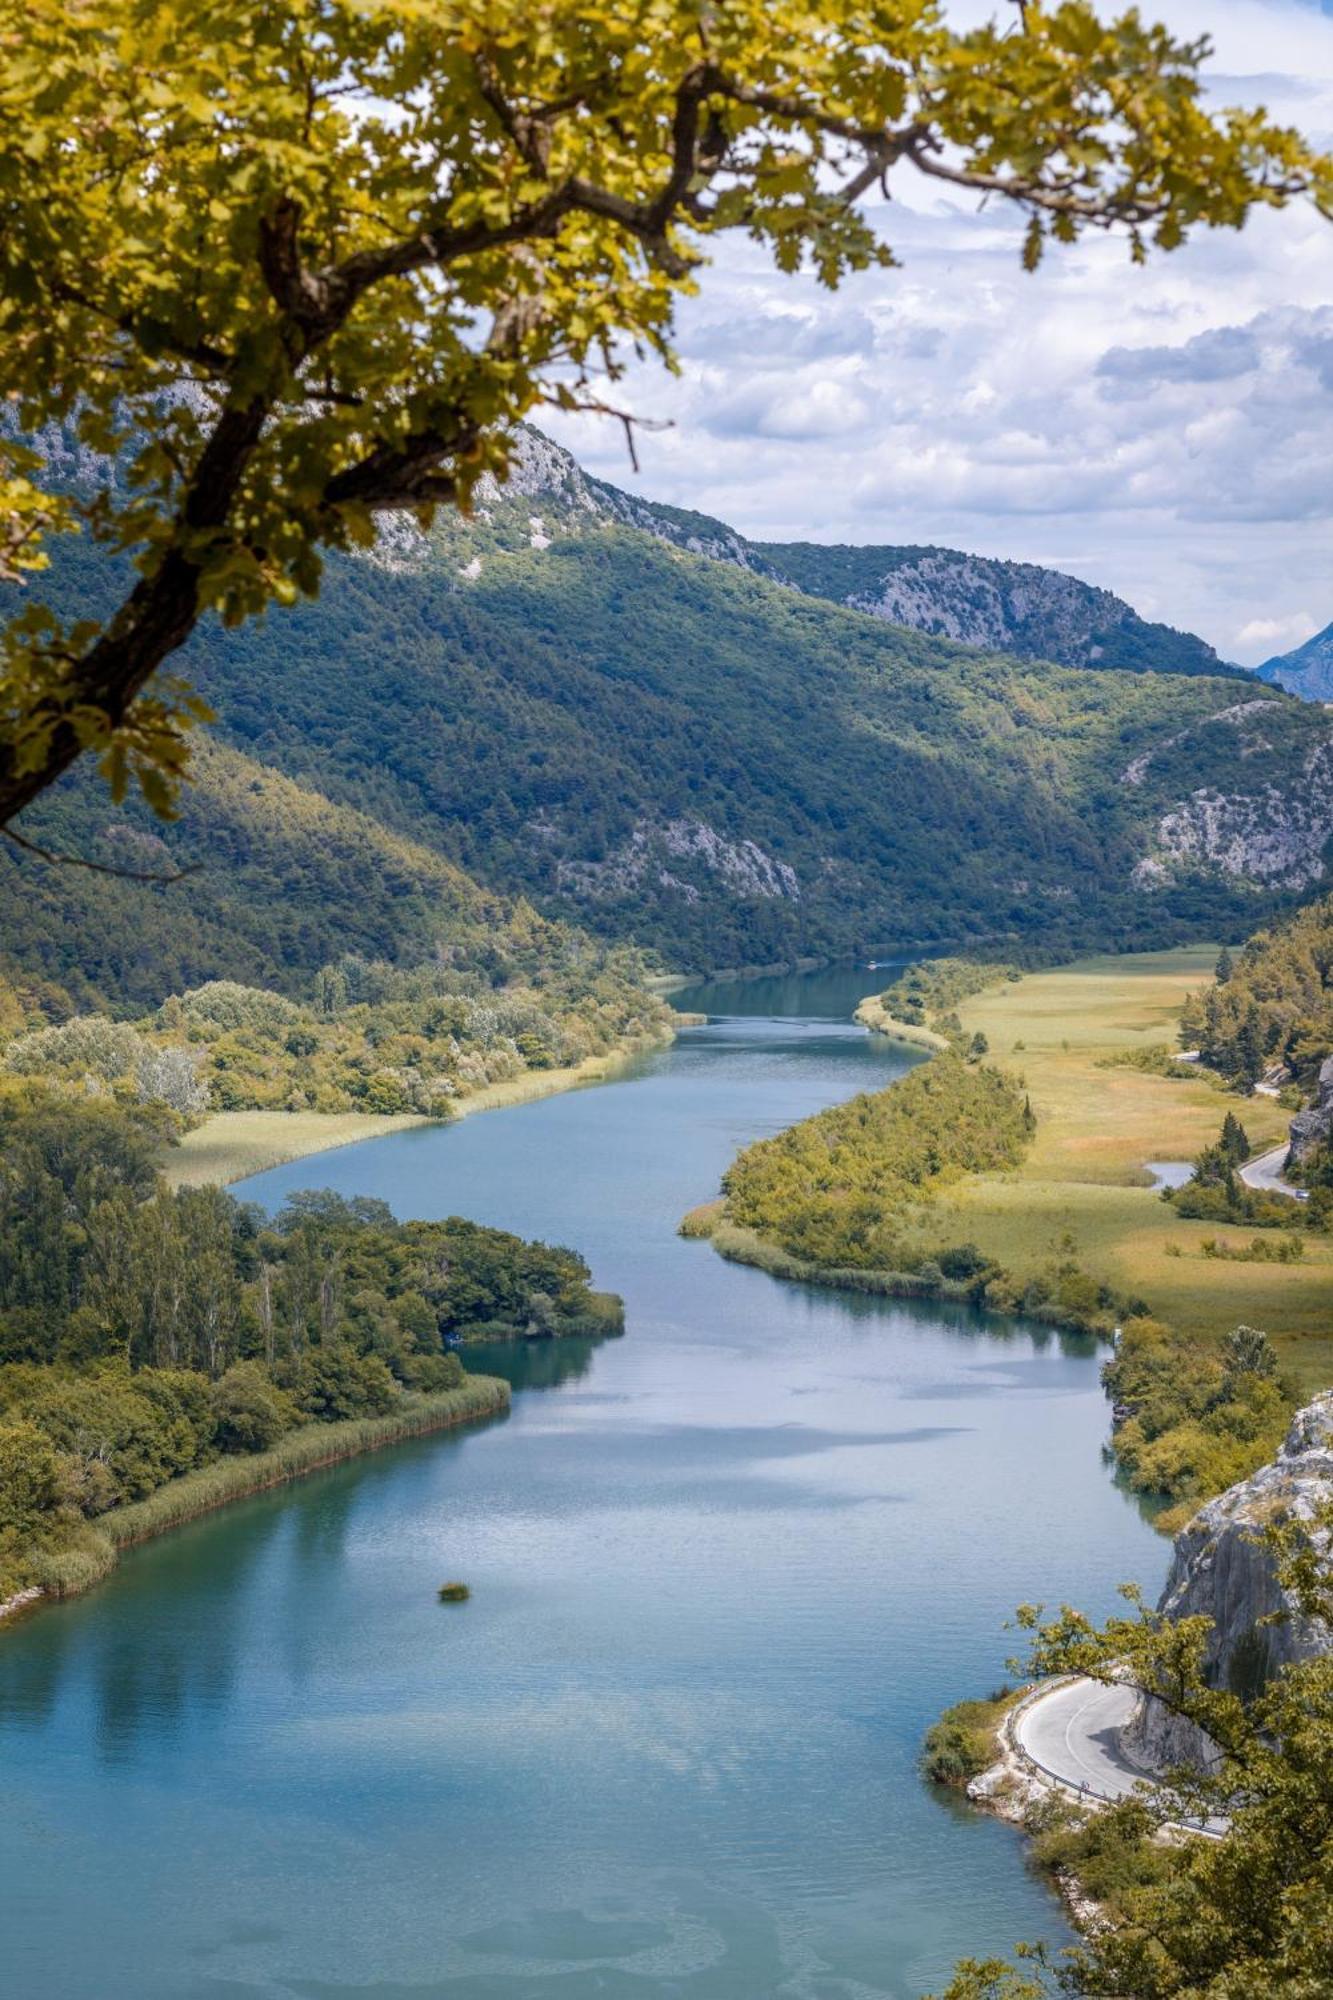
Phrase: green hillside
(593, 703)
(671, 749)
(284, 882)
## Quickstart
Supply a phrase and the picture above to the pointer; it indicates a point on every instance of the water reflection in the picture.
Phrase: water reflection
(534, 1364)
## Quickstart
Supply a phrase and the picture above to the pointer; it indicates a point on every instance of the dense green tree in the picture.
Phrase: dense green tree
(250, 1413)
(1192, 1417)
(842, 1188)
(1234, 1143)
(145, 1332)
(29, 1479)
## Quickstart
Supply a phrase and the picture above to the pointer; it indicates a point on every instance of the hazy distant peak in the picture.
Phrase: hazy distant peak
(1307, 671)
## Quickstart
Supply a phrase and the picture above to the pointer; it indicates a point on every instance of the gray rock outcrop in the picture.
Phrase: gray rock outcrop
(1222, 1571)
(1313, 1127)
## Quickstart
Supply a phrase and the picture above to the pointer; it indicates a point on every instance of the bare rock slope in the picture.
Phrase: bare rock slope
(1222, 1571)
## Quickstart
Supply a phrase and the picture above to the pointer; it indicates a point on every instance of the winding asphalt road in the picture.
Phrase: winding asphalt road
(1072, 1734)
(1265, 1173)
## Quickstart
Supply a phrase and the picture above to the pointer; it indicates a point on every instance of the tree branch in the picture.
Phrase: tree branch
(406, 475)
(97, 867)
(1102, 212)
(157, 617)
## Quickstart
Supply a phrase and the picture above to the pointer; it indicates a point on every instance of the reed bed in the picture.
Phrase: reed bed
(301, 1451)
(743, 1246)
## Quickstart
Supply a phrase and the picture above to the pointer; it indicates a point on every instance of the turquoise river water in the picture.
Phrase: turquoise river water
(724, 1573)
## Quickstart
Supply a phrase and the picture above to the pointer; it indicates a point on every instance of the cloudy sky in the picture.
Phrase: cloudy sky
(1166, 432)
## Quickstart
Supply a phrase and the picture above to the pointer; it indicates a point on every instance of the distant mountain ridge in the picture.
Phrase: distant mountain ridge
(1011, 607)
(1306, 671)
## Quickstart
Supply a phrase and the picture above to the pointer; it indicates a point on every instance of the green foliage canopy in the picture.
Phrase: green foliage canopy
(300, 264)
(841, 1188)
(1193, 1417)
(1271, 1004)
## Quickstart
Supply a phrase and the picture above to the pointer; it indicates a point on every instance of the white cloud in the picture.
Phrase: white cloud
(1166, 431)
(1277, 635)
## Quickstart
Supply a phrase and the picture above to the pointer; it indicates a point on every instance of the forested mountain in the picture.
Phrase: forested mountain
(1039, 614)
(287, 885)
(1308, 671)
(571, 698)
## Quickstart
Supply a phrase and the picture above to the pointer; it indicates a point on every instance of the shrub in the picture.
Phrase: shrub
(171, 1077)
(225, 1004)
(29, 1477)
(331, 1384)
(120, 1442)
(962, 1262)
(431, 1374)
(249, 1413)
(88, 1045)
(964, 1743)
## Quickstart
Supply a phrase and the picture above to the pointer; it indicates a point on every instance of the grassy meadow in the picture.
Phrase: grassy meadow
(1085, 1177)
(230, 1145)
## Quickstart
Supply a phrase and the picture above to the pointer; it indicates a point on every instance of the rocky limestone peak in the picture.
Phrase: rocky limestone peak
(1222, 1570)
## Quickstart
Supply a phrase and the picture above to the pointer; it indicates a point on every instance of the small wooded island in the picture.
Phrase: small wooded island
(162, 1352)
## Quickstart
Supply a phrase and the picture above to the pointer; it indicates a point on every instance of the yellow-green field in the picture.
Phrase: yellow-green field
(232, 1144)
(1085, 1178)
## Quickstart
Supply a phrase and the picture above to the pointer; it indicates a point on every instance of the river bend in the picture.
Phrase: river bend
(724, 1572)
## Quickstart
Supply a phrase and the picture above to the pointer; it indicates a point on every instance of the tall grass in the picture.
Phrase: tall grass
(80, 1560)
(301, 1451)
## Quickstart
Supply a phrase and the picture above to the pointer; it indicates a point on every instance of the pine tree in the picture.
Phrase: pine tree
(1234, 1143)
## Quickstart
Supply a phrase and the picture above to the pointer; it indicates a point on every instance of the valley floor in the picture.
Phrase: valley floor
(1085, 1176)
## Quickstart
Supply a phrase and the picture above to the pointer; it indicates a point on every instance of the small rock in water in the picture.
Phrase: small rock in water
(454, 1593)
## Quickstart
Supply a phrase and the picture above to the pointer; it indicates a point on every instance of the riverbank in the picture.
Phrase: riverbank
(479, 1399)
(873, 1014)
(708, 1222)
(232, 1145)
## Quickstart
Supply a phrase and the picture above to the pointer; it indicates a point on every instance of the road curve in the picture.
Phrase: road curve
(1264, 1174)
(1072, 1734)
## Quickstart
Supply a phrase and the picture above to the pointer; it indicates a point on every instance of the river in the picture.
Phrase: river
(724, 1571)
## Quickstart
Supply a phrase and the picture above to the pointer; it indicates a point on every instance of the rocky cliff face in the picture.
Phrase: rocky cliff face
(1313, 1127)
(1002, 606)
(1271, 834)
(1220, 1571)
